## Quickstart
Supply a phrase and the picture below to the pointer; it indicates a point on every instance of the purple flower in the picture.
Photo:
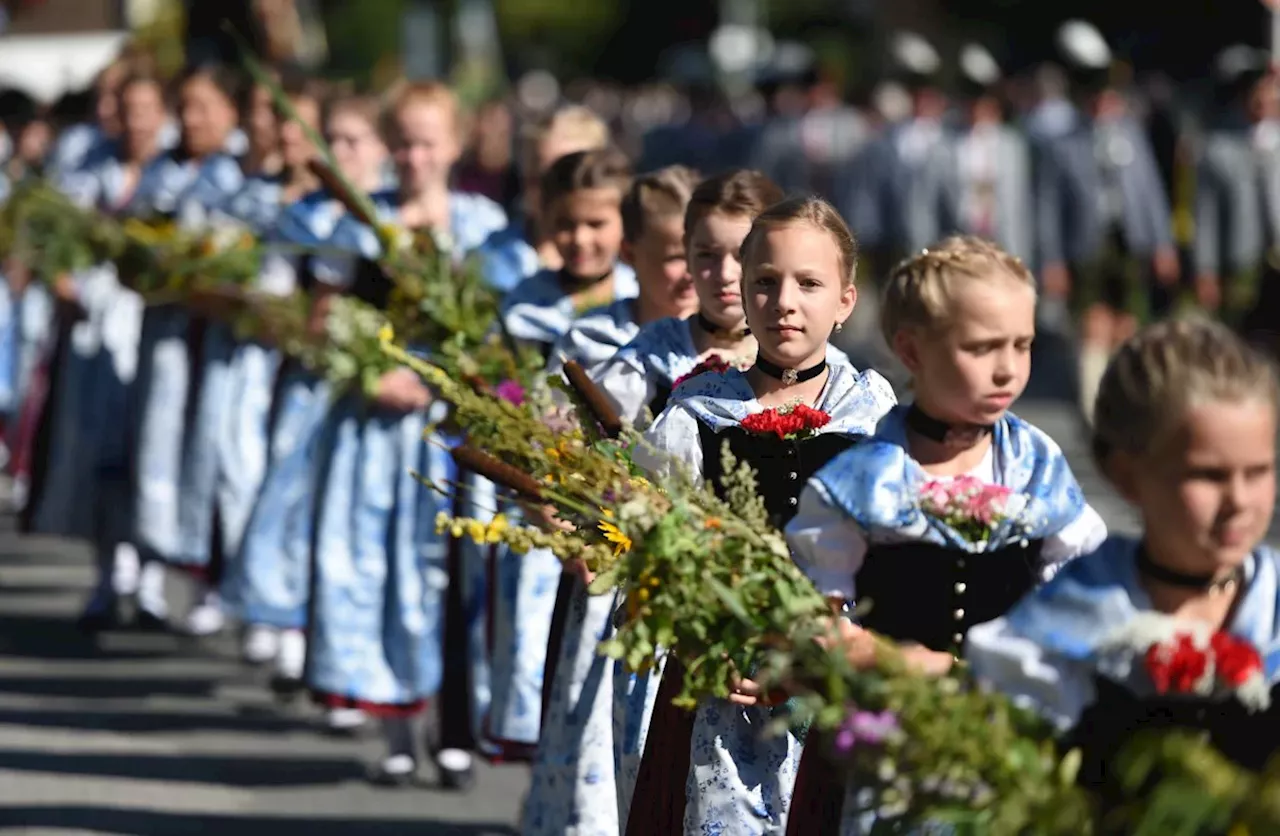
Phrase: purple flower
(870, 727)
(510, 391)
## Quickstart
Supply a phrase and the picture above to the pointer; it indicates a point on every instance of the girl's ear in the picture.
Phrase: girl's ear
(848, 300)
(1121, 470)
(906, 345)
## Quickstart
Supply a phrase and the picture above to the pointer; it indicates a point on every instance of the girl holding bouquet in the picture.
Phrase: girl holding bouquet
(276, 553)
(1180, 628)
(956, 507)
(227, 452)
(380, 580)
(786, 416)
(185, 186)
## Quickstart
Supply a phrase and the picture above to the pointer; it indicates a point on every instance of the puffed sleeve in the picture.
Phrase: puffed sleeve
(1082, 535)
(626, 386)
(672, 438)
(827, 545)
(1059, 689)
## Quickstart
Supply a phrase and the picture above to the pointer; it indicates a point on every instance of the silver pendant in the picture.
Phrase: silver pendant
(791, 377)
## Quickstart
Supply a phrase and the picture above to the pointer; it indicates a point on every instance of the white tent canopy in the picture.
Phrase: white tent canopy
(47, 67)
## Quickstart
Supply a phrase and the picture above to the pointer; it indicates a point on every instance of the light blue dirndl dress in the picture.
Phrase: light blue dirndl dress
(187, 191)
(379, 563)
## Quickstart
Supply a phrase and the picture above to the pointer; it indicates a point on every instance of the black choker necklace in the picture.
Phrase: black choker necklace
(716, 331)
(574, 283)
(942, 432)
(1182, 580)
(790, 376)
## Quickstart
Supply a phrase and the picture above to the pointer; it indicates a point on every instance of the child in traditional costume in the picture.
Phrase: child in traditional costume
(1185, 428)
(876, 527)
(716, 772)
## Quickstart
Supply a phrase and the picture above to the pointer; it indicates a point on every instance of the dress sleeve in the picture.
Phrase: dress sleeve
(626, 387)
(826, 544)
(1082, 535)
(1057, 688)
(672, 438)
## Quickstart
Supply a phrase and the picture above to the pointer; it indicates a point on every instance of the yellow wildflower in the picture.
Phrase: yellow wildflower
(456, 528)
(476, 531)
(608, 513)
(621, 542)
(639, 482)
(553, 454)
(497, 527)
(549, 479)
(643, 595)
(442, 522)
(386, 334)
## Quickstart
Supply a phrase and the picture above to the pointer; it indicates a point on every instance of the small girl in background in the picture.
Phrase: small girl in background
(573, 776)
(1185, 429)
(961, 318)
(582, 212)
(797, 288)
(713, 328)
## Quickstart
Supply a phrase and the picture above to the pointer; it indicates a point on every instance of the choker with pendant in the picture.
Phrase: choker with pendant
(1184, 580)
(942, 432)
(790, 376)
(716, 331)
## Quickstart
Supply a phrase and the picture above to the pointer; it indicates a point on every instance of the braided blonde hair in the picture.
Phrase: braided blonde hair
(920, 289)
(1166, 369)
(810, 210)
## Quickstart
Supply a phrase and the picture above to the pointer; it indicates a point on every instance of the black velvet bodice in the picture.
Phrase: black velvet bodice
(1246, 738)
(371, 284)
(661, 394)
(931, 594)
(782, 467)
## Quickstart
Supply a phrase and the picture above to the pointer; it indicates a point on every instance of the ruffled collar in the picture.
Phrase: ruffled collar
(662, 350)
(879, 485)
(855, 400)
(1093, 598)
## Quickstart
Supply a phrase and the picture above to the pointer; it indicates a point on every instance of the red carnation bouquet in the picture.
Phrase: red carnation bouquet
(787, 422)
(1192, 660)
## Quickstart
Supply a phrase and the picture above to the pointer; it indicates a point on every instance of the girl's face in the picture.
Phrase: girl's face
(207, 117)
(357, 148)
(659, 261)
(795, 293)
(425, 146)
(969, 369)
(295, 148)
(142, 115)
(1206, 497)
(586, 228)
(714, 243)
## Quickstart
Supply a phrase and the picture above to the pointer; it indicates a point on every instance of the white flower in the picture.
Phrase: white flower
(1255, 693)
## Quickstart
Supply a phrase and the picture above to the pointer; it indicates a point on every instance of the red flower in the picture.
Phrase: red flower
(1176, 666)
(713, 363)
(789, 424)
(1236, 660)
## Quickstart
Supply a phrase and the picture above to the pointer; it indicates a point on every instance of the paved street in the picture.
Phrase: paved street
(150, 734)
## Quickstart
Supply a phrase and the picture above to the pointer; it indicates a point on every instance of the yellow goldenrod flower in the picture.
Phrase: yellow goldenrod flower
(553, 454)
(639, 482)
(456, 529)
(442, 522)
(497, 527)
(643, 595)
(476, 531)
(386, 334)
(549, 479)
(621, 542)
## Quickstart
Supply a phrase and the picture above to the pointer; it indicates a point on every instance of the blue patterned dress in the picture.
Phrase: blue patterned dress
(85, 489)
(861, 535)
(188, 191)
(276, 550)
(737, 780)
(380, 566)
(577, 728)
(1075, 650)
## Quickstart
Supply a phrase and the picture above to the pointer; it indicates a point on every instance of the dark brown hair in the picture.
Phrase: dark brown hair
(742, 193)
(607, 168)
(659, 194)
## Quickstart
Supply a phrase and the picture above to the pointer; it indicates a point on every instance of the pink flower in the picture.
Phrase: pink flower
(510, 391)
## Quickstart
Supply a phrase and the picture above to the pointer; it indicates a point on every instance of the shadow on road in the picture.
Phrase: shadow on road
(150, 721)
(220, 770)
(114, 820)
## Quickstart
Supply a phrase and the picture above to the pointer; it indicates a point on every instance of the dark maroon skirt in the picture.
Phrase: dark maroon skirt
(657, 807)
(818, 798)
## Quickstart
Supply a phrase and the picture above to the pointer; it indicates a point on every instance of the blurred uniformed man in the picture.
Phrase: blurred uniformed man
(1238, 184)
(1102, 215)
(993, 166)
